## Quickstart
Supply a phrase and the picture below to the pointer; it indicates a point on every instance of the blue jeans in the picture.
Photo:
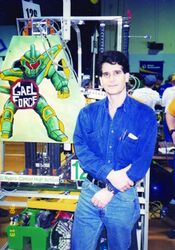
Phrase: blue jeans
(118, 217)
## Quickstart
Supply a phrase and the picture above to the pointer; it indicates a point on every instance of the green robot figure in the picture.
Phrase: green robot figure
(24, 79)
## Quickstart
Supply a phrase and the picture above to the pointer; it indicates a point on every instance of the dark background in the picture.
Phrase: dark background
(12, 9)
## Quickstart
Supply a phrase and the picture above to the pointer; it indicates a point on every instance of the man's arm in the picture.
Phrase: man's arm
(89, 161)
(120, 180)
(124, 179)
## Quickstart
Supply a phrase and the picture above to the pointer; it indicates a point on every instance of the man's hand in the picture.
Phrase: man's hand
(102, 198)
(120, 180)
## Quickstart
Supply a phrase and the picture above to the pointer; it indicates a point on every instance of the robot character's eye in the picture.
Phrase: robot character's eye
(32, 65)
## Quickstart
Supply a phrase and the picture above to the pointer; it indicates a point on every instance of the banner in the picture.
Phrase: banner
(151, 67)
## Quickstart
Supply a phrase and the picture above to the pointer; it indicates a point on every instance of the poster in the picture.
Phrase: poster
(39, 94)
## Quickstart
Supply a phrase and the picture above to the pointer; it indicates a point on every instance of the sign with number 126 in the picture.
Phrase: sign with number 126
(76, 171)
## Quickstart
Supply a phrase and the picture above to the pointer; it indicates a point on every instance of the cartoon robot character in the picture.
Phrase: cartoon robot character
(24, 79)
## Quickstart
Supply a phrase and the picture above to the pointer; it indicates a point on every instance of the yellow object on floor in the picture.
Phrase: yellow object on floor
(63, 204)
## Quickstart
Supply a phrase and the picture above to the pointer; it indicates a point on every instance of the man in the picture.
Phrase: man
(167, 84)
(168, 94)
(159, 82)
(114, 141)
(170, 119)
(146, 94)
(167, 97)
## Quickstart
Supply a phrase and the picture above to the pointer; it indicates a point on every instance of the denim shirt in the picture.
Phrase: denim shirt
(103, 144)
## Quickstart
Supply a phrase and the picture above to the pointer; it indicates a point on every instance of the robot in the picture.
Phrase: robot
(24, 78)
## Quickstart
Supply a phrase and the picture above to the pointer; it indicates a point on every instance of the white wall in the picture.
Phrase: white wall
(154, 17)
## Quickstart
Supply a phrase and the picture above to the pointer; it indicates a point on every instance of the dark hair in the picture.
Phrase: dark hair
(112, 57)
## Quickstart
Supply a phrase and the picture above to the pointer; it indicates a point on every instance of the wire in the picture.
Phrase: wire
(64, 46)
(155, 209)
(136, 84)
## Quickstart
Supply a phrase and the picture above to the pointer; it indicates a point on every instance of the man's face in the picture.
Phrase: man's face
(113, 79)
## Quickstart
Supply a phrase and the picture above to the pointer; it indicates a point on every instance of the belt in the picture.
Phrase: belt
(98, 183)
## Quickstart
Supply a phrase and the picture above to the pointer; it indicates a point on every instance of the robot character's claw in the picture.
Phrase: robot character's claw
(58, 135)
(63, 93)
(6, 123)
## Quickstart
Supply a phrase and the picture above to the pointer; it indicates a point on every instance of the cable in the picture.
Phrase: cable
(134, 86)
(64, 46)
(155, 209)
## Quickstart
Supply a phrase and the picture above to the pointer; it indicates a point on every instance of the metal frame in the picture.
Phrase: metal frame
(142, 189)
(146, 225)
(67, 21)
(143, 223)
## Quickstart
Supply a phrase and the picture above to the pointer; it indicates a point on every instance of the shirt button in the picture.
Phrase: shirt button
(109, 161)
(110, 146)
(112, 131)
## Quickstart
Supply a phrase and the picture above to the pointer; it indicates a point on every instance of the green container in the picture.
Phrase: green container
(19, 236)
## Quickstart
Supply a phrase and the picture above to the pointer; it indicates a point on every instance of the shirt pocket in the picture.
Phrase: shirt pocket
(127, 148)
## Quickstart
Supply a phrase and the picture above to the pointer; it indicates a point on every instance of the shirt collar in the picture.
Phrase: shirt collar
(125, 105)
